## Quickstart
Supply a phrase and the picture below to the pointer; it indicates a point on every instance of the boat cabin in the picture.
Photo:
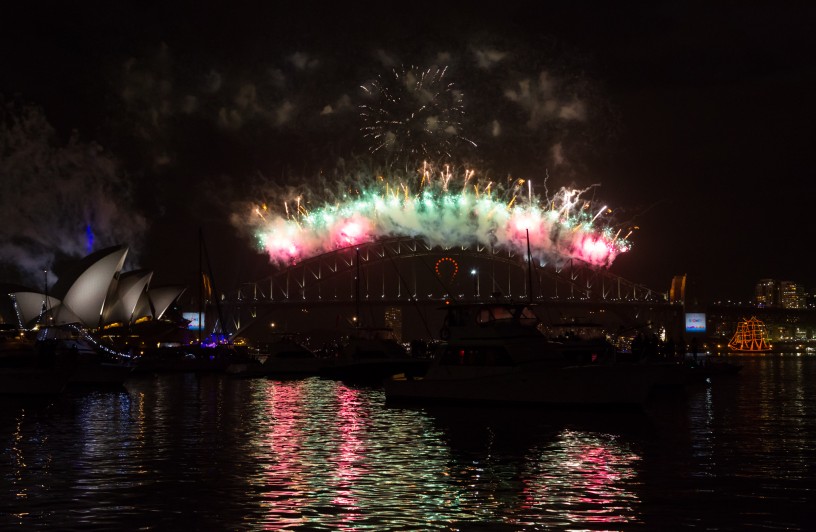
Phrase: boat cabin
(489, 320)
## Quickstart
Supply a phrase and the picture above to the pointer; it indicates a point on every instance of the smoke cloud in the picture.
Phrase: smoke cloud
(441, 207)
(59, 200)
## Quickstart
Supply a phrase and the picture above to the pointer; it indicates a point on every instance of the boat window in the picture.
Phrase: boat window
(484, 316)
(524, 315)
(475, 356)
(502, 313)
(456, 317)
(489, 314)
(528, 317)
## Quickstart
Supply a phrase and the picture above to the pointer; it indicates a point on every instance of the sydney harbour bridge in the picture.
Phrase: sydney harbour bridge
(357, 285)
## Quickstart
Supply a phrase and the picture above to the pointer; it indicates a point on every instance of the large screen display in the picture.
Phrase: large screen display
(193, 317)
(695, 322)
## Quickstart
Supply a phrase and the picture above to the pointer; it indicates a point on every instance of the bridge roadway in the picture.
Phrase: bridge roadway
(320, 293)
(422, 318)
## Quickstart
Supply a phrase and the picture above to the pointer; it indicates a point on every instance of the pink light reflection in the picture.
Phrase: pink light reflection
(286, 475)
(589, 478)
(352, 449)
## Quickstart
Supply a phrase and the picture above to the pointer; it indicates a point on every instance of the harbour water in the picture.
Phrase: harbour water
(211, 452)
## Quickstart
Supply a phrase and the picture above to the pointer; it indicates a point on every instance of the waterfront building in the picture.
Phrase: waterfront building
(393, 320)
(782, 294)
(765, 293)
(791, 295)
(96, 294)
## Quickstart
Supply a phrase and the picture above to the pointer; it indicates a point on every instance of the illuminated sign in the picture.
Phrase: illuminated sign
(695, 322)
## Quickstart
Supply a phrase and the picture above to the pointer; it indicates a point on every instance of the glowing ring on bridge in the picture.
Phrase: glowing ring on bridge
(453, 263)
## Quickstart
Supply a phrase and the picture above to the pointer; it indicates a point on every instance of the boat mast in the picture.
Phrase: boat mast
(213, 289)
(46, 305)
(357, 290)
(200, 283)
(529, 269)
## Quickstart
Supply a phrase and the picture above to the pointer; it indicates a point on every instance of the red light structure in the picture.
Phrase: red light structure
(453, 264)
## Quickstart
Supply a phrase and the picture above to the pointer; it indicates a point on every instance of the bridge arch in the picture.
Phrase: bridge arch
(329, 290)
(399, 268)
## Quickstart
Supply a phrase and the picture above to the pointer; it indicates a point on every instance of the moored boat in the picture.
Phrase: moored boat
(183, 359)
(28, 369)
(32, 381)
(711, 368)
(88, 364)
(369, 355)
(285, 357)
(496, 354)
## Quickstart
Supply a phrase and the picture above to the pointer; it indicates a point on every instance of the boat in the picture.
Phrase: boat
(27, 368)
(88, 362)
(284, 357)
(751, 336)
(187, 359)
(94, 367)
(711, 368)
(580, 339)
(495, 353)
(369, 355)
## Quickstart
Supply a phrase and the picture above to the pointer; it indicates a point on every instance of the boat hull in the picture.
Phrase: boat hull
(100, 374)
(572, 385)
(32, 381)
(279, 367)
(695, 373)
(373, 371)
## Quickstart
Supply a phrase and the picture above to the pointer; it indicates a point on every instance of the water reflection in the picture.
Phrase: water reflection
(201, 451)
(744, 453)
(17, 460)
(285, 474)
(581, 478)
(213, 452)
(332, 456)
(542, 469)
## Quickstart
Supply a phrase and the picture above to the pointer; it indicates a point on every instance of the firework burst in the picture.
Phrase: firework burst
(413, 115)
(444, 208)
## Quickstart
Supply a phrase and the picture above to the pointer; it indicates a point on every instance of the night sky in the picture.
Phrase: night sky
(138, 124)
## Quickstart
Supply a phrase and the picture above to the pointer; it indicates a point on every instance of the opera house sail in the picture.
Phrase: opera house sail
(96, 293)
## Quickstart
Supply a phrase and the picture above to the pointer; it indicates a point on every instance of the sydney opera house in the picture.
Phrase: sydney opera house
(98, 297)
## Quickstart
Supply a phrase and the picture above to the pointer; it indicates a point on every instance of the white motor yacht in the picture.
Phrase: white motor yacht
(495, 353)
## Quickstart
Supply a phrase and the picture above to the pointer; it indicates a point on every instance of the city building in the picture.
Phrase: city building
(765, 293)
(791, 295)
(393, 320)
(782, 294)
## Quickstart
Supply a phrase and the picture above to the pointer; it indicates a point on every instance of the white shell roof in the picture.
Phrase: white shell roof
(86, 297)
(162, 298)
(30, 305)
(129, 289)
(98, 293)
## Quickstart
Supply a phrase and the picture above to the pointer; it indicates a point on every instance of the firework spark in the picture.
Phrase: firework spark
(443, 208)
(413, 114)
